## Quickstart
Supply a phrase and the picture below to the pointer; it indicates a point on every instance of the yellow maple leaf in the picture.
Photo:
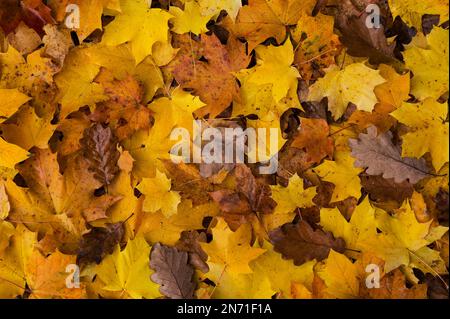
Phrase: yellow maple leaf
(177, 109)
(361, 225)
(190, 19)
(404, 241)
(231, 285)
(28, 75)
(274, 67)
(11, 154)
(90, 13)
(128, 271)
(231, 249)
(29, 130)
(139, 25)
(13, 260)
(434, 57)
(355, 83)
(4, 204)
(158, 195)
(167, 230)
(282, 273)
(343, 175)
(214, 7)
(148, 148)
(76, 83)
(288, 199)
(412, 11)
(340, 276)
(428, 130)
(11, 99)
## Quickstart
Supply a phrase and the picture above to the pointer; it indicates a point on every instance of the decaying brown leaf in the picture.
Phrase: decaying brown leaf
(172, 272)
(99, 242)
(302, 243)
(382, 157)
(100, 148)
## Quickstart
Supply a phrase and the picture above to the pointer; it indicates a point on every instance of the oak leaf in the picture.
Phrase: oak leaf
(172, 272)
(302, 243)
(381, 157)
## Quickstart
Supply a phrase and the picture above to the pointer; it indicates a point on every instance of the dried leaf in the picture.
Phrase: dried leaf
(100, 148)
(382, 157)
(302, 243)
(172, 272)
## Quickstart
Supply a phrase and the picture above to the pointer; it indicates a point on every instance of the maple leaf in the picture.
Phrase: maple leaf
(139, 25)
(318, 45)
(30, 76)
(46, 276)
(214, 7)
(340, 276)
(189, 183)
(121, 66)
(158, 195)
(314, 138)
(382, 157)
(123, 110)
(128, 272)
(4, 204)
(262, 19)
(393, 286)
(360, 226)
(11, 154)
(355, 84)
(213, 80)
(13, 100)
(404, 241)
(149, 149)
(54, 199)
(288, 199)
(177, 109)
(411, 11)
(75, 83)
(390, 95)
(434, 57)
(190, 19)
(90, 13)
(281, 272)
(89, 174)
(13, 260)
(231, 285)
(158, 228)
(276, 62)
(27, 130)
(428, 130)
(343, 175)
(231, 250)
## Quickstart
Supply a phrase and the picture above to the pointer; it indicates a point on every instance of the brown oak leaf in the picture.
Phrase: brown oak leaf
(172, 271)
(302, 243)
